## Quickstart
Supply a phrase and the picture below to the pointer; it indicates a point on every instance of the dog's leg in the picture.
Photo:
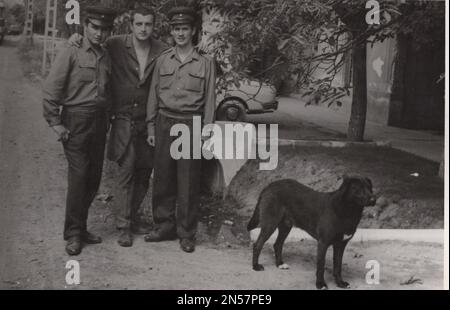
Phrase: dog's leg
(321, 255)
(283, 232)
(264, 235)
(338, 252)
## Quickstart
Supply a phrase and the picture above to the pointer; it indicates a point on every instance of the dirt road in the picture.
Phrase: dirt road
(32, 192)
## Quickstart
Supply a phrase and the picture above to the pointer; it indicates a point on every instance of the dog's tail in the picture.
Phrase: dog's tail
(254, 221)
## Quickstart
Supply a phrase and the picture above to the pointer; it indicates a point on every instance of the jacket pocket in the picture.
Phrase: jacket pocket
(87, 70)
(195, 82)
(166, 77)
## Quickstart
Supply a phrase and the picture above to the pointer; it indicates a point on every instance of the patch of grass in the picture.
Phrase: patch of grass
(412, 281)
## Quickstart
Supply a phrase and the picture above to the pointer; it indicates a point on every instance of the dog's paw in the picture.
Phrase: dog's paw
(284, 267)
(258, 267)
(321, 286)
(343, 284)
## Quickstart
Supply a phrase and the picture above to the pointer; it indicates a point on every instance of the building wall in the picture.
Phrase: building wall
(420, 103)
(380, 63)
(423, 106)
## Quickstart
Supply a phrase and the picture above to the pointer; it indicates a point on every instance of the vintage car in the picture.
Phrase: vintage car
(251, 97)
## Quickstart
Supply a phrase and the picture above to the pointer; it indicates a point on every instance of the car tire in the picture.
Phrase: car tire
(232, 111)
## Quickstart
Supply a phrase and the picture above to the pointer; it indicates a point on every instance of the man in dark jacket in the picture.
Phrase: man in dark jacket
(133, 57)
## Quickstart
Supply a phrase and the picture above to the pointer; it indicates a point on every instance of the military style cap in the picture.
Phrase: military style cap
(101, 16)
(182, 15)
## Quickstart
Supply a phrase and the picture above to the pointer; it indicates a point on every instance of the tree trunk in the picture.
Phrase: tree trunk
(359, 102)
(396, 105)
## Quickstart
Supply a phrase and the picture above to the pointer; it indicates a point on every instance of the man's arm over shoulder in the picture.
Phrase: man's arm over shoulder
(55, 85)
(161, 47)
(115, 41)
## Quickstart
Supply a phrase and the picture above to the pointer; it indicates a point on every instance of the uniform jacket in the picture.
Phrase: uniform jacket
(79, 78)
(182, 88)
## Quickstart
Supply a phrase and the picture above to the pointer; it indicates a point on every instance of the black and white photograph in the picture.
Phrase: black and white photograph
(229, 146)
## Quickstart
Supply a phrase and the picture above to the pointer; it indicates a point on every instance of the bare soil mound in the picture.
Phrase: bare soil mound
(410, 193)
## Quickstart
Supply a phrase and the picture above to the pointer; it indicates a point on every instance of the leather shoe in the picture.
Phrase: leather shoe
(187, 245)
(73, 246)
(89, 238)
(125, 239)
(158, 236)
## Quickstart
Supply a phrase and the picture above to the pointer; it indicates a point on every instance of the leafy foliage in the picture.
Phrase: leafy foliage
(18, 12)
(275, 40)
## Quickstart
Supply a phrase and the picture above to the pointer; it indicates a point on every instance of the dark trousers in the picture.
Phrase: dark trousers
(84, 152)
(135, 169)
(176, 184)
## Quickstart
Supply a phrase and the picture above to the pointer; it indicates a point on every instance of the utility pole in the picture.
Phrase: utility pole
(49, 35)
(28, 29)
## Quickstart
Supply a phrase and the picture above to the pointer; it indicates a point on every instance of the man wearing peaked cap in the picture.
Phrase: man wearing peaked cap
(101, 16)
(79, 82)
(182, 93)
(182, 15)
(98, 24)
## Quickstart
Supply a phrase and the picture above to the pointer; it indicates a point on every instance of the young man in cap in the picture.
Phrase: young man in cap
(132, 59)
(183, 86)
(78, 82)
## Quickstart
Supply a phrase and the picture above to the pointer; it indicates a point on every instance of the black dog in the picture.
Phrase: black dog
(330, 218)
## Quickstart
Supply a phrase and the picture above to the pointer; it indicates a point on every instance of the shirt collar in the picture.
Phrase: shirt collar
(88, 46)
(193, 56)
